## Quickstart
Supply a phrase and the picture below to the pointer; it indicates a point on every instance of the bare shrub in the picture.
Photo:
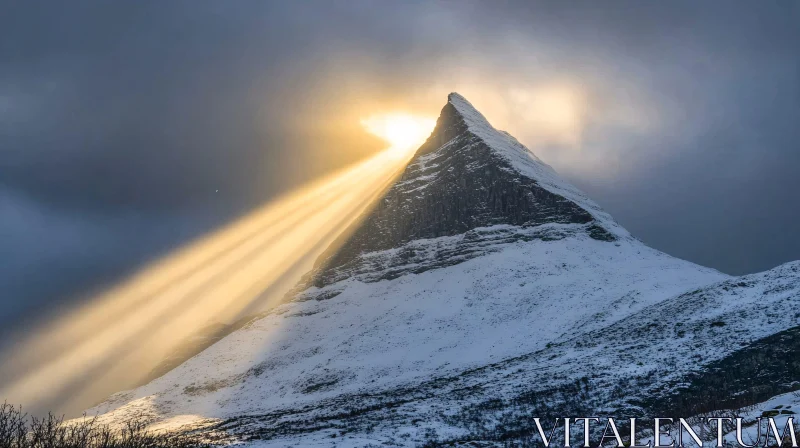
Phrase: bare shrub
(18, 430)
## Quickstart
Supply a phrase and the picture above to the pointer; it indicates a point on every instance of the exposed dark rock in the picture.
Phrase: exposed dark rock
(763, 369)
(454, 183)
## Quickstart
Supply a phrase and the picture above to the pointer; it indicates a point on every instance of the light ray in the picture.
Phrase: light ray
(115, 340)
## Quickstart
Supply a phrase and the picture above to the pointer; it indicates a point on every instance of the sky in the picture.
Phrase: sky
(128, 129)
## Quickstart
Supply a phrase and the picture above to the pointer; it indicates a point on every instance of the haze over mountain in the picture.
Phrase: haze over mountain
(482, 290)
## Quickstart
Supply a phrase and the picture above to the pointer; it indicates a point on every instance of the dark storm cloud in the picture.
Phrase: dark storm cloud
(119, 121)
(145, 103)
(46, 249)
(129, 128)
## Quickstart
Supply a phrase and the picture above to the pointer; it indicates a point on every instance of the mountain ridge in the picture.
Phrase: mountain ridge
(527, 163)
(466, 176)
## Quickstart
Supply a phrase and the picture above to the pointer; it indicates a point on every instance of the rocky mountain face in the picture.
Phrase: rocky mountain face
(456, 184)
(482, 290)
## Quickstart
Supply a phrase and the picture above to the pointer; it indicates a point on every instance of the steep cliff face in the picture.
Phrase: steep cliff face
(466, 176)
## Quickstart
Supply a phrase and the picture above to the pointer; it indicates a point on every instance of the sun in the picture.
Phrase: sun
(404, 132)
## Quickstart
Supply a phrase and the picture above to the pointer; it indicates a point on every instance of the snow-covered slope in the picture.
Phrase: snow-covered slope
(755, 426)
(376, 335)
(780, 408)
(480, 277)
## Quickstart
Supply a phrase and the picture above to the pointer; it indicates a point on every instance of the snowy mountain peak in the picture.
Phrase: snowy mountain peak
(468, 189)
(457, 97)
(470, 114)
(460, 116)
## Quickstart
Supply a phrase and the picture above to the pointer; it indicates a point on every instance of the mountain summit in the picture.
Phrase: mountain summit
(480, 291)
(467, 177)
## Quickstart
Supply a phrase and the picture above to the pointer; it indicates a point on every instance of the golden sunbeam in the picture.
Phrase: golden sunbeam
(117, 339)
(404, 132)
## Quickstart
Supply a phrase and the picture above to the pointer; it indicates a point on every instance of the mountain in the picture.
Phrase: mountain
(480, 291)
(465, 178)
